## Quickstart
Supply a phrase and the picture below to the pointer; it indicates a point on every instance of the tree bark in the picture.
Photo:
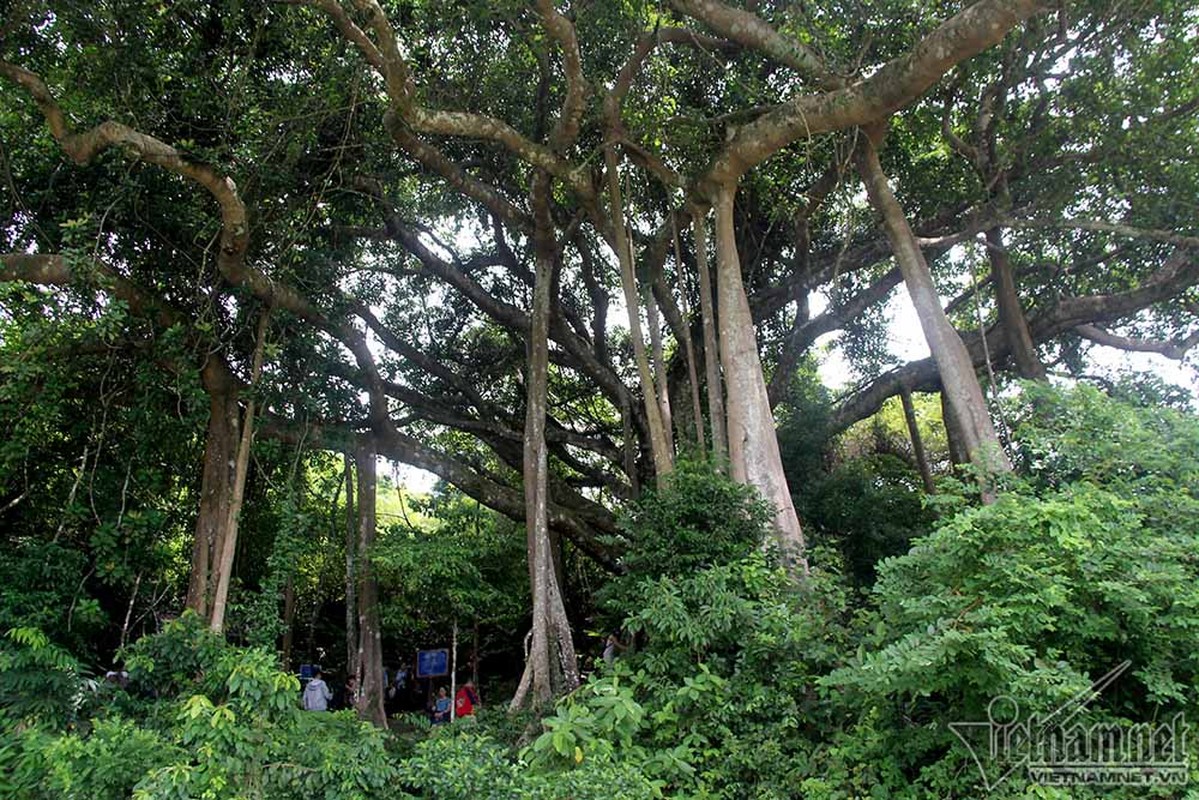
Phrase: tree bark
(551, 667)
(370, 636)
(958, 378)
(697, 406)
(909, 415)
(215, 487)
(224, 572)
(289, 621)
(351, 582)
(953, 433)
(663, 456)
(661, 379)
(753, 444)
(711, 342)
(1011, 315)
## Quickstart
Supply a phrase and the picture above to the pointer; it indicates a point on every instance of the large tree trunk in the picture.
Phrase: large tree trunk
(215, 488)
(551, 667)
(753, 444)
(224, 564)
(711, 342)
(697, 406)
(960, 383)
(351, 600)
(370, 636)
(659, 443)
(1011, 315)
(953, 433)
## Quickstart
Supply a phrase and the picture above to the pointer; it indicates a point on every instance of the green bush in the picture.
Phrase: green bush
(1085, 563)
(695, 519)
(224, 722)
(470, 766)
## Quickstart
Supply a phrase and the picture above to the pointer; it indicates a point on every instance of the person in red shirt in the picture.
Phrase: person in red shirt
(466, 700)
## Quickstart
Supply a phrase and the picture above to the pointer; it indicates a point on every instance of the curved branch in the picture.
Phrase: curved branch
(1175, 276)
(1176, 350)
(750, 30)
(894, 86)
(84, 146)
(566, 129)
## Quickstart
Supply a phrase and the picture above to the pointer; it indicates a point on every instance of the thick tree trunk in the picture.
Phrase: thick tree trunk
(909, 415)
(953, 433)
(711, 342)
(753, 444)
(224, 565)
(370, 636)
(351, 591)
(1011, 315)
(697, 406)
(215, 488)
(551, 667)
(958, 378)
(659, 443)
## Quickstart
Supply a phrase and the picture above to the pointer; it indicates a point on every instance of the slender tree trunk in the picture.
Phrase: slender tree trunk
(454, 672)
(753, 444)
(224, 573)
(214, 488)
(351, 591)
(370, 636)
(958, 379)
(289, 621)
(712, 353)
(697, 406)
(660, 377)
(1011, 315)
(909, 415)
(474, 653)
(551, 667)
(663, 456)
(630, 447)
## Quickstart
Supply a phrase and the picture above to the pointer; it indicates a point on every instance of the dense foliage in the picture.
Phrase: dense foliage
(629, 281)
(735, 682)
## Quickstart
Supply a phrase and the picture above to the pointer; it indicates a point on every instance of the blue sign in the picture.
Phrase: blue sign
(432, 663)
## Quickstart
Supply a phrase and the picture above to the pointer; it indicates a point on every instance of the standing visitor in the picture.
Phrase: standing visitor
(611, 647)
(317, 694)
(466, 701)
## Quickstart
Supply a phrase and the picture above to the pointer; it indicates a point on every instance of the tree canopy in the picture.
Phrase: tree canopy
(578, 260)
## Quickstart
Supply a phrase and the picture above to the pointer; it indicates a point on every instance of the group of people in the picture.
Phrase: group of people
(317, 696)
(465, 703)
(402, 694)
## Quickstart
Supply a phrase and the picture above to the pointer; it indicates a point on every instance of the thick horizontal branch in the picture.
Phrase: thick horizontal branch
(896, 85)
(84, 146)
(585, 530)
(750, 30)
(1175, 276)
(383, 53)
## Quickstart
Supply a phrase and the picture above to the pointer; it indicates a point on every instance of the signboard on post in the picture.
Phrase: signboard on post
(432, 663)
